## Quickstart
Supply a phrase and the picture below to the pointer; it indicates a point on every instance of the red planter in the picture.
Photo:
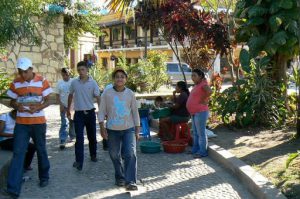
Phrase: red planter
(174, 146)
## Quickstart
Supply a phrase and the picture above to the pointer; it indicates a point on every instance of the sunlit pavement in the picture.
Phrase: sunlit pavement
(160, 175)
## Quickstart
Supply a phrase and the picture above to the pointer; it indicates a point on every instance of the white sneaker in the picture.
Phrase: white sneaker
(210, 134)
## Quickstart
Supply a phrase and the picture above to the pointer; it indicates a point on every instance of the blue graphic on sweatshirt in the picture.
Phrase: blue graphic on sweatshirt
(121, 111)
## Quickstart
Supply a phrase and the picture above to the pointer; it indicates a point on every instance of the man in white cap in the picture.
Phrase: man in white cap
(29, 95)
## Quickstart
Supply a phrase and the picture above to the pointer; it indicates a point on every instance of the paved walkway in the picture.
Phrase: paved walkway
(160, 176)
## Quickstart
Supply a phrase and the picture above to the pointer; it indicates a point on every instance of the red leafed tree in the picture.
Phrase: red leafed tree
(197, 32)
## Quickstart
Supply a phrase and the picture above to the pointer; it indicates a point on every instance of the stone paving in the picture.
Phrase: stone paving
(160, 176)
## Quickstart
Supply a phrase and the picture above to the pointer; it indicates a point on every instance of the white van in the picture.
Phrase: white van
(175, 74)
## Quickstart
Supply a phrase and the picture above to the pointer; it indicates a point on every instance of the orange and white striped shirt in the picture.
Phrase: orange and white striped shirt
(29, 93)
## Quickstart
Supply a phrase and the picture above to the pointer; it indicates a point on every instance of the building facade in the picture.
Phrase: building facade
(123, 37)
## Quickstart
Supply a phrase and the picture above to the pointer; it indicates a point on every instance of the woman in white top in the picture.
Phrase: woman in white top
(7, 125)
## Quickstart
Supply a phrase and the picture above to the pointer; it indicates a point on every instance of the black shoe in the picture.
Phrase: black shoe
(94, 159)
(44, 183)
(62, 145)
(77, 165)
(8, 195)
(120, 183)
(131, 187)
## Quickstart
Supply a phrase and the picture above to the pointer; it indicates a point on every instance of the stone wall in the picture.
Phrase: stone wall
(48, 58)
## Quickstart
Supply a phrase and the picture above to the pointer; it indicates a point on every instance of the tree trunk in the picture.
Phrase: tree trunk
(279, 74)
(146, 41)
(232, 74)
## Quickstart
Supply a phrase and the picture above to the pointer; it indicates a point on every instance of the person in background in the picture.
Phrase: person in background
(62, 91)
(158, 102)
(119, 107)
(84, 89)
(7, 125)
(30, 95)
(197, 106)
(179, 113)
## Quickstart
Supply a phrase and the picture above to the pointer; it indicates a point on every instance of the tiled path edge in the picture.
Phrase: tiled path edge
(257, 184)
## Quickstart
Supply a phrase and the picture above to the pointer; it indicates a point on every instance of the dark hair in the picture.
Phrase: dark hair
(199, 73)
(65, 70)
(82, 63)
(182, 85)
(119, 70)
(159, 99)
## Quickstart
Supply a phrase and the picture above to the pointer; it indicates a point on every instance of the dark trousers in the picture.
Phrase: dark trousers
(85, 119)
(22, 134)
(9, 146)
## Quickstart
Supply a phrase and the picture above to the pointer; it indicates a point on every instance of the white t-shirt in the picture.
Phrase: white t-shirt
(9, 125)
(63, 89)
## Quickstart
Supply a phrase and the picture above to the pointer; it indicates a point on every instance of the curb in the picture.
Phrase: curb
(257, 185)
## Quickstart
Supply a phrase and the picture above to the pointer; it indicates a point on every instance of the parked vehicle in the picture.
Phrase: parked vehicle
(175, 74)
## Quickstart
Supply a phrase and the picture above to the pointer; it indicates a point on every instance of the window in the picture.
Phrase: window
(116, 33)
(135, 60)
(172, 68)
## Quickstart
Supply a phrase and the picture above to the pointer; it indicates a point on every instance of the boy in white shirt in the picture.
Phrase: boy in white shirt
(62, 92)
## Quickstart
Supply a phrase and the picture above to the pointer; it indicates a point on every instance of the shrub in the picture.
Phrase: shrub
(254, 100)
(148, 74)
(5, 80)
(154, 70)
(101, 75)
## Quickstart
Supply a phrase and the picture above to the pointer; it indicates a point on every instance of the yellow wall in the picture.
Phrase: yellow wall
(135, 54)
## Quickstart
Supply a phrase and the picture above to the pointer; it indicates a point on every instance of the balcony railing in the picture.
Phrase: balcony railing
(132, 43)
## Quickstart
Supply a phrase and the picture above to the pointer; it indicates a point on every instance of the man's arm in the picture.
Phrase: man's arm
(15, 105)
(57, 99)
(70, 99)
(101, 116)
(98, 101)
(136, 117)
(38, 107)
(61, 106)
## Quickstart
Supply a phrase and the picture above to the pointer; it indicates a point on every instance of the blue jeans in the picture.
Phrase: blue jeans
(199, 135)
(22, 134)
(122, 151)
(65, 126)
(85, 119)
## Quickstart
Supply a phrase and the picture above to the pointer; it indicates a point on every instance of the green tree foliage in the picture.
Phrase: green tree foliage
(16, 20)
(271, 27)
(82, 20)
(121, 5)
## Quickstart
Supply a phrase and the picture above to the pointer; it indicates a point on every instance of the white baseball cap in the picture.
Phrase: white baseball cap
(24, 63)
